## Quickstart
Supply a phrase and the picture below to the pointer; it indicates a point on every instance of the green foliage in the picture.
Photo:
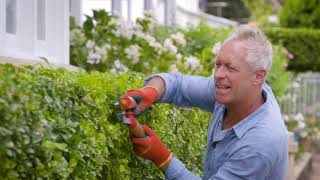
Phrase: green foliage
(57, 124)
(201, 39)
(303, 44)
(300, 13)
(259, 10)
(278, 77)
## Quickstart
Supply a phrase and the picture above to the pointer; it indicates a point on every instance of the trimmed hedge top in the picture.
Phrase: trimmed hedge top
(57, 124)
(304, 44)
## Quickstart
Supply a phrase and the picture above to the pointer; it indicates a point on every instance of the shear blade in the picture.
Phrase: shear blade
(125, 119)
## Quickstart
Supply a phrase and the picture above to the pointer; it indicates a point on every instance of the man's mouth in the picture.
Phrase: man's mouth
(223, 87)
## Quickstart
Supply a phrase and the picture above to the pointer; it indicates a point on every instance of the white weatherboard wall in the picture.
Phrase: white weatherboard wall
(41, 29)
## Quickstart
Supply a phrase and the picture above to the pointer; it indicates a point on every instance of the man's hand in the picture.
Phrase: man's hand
(152, 148)
(144, 97)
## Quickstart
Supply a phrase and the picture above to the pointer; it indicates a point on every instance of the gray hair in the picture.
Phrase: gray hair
(259, 49)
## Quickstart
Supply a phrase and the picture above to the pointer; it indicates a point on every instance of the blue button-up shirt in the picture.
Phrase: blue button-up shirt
(255, 148)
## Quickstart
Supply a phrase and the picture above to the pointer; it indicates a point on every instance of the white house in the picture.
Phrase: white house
(32, 29)
(169, 12)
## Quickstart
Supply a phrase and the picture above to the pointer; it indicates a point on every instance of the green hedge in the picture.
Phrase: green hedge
(304, 44)
(57, 124)
(300, 13)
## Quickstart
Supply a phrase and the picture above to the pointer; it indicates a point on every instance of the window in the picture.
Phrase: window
(11, 16)
(41, 19)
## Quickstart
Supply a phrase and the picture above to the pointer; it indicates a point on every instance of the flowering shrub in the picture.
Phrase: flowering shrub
(305, 129)
(108, 43)
(111, 44)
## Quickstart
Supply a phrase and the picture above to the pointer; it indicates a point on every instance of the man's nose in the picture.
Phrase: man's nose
(219, 72)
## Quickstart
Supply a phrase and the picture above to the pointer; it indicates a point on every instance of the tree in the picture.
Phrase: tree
(260, 8)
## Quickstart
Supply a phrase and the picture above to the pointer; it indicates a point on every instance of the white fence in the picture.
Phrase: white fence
(303, 96)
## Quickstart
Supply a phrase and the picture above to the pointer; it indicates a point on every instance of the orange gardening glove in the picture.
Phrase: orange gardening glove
(144, 97)
(151, 147)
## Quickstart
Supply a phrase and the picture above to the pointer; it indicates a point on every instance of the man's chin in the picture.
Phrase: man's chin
(222, 100)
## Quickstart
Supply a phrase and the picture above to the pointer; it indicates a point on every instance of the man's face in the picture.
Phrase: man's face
(234, 78)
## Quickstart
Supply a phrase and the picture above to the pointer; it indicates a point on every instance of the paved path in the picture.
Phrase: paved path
(315, 175)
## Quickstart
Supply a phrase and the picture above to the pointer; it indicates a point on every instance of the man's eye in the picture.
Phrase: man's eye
(231, 68)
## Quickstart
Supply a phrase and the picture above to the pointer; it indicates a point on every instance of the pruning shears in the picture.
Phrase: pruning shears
(128, 104)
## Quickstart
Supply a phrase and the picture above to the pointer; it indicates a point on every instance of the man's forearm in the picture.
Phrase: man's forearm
(157, 83)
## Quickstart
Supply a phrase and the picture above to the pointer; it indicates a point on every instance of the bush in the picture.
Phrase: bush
(300, 13)
(108, 43)
(57, 124)
(303, 44)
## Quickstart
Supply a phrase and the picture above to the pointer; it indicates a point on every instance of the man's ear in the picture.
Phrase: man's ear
(260, 76)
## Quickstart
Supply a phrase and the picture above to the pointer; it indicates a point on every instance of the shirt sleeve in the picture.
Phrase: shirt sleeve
(246, 164)
(177, 171)
(187, 90)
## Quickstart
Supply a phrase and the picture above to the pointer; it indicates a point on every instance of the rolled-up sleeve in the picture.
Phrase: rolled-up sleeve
(177, 171)
(187, 90)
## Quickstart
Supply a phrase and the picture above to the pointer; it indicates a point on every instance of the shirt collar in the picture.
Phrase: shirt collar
(243, 126)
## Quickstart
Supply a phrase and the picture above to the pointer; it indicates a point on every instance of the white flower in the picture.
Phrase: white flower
(168, 45)
(303, 134)
(91, 61)
(192, 63)
(216, 48)
(77, 38)
(115, 21)
(124, 29)
(124, 68)
(273, 19)
(90, 44)
(137, 28)
(113, 70)
(151, 16)
(173, 68)
(299, 117)
(157, 46)
(285, 117)
(94, 58)
(301, 125)
(100, 51)
(132, 52)
(150, 39)
(118, 67)
(178, 38)
(178, 56)
(139, 34)
(117, 64)
(106, 47)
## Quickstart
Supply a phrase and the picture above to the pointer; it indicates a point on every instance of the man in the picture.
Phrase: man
(247, 138)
